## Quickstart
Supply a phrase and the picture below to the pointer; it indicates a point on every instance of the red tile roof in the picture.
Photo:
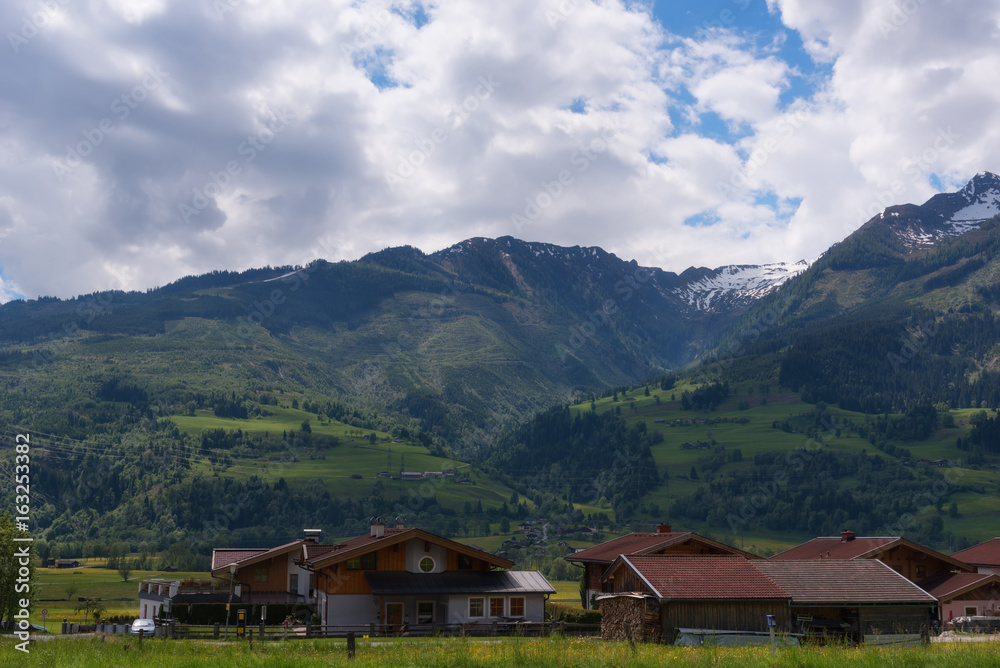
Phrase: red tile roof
(840, 581)
(222, 557)
(947, 585)
(860, 548)
(984, 554)
(357, 546)
(834, 548)
(645, 543)
(683, 577)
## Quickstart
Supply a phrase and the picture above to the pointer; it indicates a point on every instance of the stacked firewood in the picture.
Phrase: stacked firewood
(629, 618)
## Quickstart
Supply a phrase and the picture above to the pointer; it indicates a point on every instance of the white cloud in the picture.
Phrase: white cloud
(337, 128)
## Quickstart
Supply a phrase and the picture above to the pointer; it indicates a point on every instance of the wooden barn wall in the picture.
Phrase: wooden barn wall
(721, 616)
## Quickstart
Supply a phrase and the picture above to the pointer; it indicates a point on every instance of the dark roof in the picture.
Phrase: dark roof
(952, 585)
(840, 581)
(859, 548)
(984, 554)
(495, 582)
(698, 577)
(645, 543)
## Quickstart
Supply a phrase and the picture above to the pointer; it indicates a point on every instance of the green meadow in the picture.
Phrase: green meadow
(353, 465)
(57, 590)
(978, 507)
(123, 652)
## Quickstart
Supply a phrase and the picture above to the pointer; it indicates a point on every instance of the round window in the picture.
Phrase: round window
(427, 564)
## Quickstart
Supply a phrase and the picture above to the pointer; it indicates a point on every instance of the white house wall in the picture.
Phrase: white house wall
(351, 610)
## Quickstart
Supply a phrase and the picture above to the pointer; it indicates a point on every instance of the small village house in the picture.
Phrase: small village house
(596, 560)
(985, 556)
(397, 576)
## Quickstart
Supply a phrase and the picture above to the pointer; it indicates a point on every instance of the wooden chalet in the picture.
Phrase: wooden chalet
(650, 597)
(402, 575)
(275, 575)
(914, 562)
(856, 598)
(596, 560)
(964, 594)
(985, 556)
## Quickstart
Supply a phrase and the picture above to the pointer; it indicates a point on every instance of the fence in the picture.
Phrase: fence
(373, 630)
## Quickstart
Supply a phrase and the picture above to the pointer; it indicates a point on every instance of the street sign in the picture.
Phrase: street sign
(770, 621)
(45, 612)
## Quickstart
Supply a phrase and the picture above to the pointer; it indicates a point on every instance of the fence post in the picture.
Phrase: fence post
(493, 629)
(350, 644)
(251, 638)
(64, 625)
(216, 630)
(371, 629)
(262, 629)
(141, 631)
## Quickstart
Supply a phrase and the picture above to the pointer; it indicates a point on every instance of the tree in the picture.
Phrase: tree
(14, 575)
(504, 525)
(305, 428)
(125, 568)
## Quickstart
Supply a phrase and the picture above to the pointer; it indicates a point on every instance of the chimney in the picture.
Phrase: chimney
(378, 527)
(846, 536)
(312, 535)
(400, 522)
(663, 528)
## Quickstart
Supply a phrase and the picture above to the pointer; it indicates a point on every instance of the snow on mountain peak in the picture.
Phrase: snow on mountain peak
(739, 284)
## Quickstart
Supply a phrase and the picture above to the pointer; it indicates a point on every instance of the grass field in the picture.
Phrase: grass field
(54, 586)
(121, 652)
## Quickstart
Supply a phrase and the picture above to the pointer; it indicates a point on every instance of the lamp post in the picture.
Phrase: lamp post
(232, 574)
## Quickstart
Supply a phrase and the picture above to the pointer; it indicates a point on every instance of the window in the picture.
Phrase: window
(517, 606)
(293, 583)
(260, 574)
(921, 572)
(425, 612)
(475, 607)
(312, 584)
(970, 612)
(427, 564)
(496, 607)
(464, 562)
(366, 562)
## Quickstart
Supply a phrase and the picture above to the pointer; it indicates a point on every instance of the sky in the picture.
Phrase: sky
(145, 140)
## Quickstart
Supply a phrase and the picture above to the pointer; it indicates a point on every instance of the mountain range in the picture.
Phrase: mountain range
(452, 353)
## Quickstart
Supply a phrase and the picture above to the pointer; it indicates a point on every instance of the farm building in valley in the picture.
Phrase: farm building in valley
(859, 599)
(651, 596)
(964, 594)
(390, 577)
(914, 562)
(985, 556)
(409, 576)
(596, 560)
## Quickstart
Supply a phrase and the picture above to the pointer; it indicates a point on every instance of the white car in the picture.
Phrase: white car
(146, 626)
